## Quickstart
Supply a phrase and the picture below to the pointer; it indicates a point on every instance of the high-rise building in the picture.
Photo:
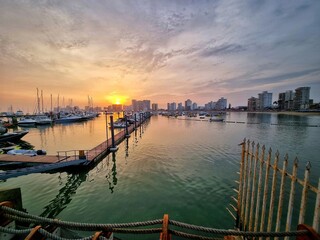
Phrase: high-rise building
(281, 101)
(180, 107)
(252, 104)
(154, 106)
(302, 98)
(188, 105)
(141, 105)
(265, 100)
(194, 106)
(288, 100)
(221, 104)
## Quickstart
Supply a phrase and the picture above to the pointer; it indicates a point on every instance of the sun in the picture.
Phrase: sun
(116, 99)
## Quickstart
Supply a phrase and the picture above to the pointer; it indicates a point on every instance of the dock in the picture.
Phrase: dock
(64, 159)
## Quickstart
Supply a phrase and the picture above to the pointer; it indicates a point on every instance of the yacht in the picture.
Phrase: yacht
(42, 120)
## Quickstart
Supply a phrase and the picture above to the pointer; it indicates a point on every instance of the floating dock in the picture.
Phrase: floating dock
(64, 159)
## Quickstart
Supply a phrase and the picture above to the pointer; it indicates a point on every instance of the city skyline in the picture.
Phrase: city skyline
(115, 51)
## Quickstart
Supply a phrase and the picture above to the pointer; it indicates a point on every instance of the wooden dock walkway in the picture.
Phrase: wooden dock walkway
(63, 159)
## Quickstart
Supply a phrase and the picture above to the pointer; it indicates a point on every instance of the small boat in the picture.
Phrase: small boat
(26, 152)
(216, 119)
(27, 121)
(42, 120)
(12, 136)
(69, 118)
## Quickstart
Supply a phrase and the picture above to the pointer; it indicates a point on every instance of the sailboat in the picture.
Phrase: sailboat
(41, 118)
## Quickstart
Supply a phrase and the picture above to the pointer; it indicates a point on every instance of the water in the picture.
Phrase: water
(185, 168)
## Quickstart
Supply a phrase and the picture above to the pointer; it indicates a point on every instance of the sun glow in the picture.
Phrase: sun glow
(116, 99)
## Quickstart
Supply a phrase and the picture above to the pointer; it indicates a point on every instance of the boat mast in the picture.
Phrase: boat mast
(38, 101)
(42, 101)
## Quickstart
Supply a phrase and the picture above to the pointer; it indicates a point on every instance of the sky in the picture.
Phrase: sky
(164, 51)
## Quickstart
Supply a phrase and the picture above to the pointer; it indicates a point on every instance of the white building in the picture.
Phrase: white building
(265, 100)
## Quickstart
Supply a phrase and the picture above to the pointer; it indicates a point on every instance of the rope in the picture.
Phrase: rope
(237, 233)
(75, 225)
(15, 231)
(192, 236)
(123, 227)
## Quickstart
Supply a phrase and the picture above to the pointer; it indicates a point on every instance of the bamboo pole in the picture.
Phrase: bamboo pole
(303, 204)
(316, 216)
(243, 200)
(256, 158)
(265, 191)
(241, 184)
(291, 198)
(256, 222)
(281, 194)
(273, 190)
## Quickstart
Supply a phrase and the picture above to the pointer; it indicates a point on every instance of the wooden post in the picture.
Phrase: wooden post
(316, 216)
(291, 198)
(256, 222)
(265, 192)
(281, 194)
(254, 183)
(113, 147)
(165, 224)
(273, 190)
(238, 223)
(304, 194)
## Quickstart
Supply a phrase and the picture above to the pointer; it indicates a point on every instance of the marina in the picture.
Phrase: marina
(65, 159)
(193, 162)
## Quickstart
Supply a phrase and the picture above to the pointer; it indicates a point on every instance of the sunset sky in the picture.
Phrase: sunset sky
(164, 51)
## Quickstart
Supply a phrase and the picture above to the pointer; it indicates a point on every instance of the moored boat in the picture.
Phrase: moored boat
(216, 119)
(26, 121)
(42, 120)
(12, 136)
(26, 152)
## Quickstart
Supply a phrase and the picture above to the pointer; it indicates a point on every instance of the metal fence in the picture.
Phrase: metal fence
(270, 197)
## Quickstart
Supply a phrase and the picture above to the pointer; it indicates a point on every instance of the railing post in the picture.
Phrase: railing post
(265, 192)
(165, 228)
(254, 180)
(256, 222)
(292, 194)
(316, 216)
(273, 190)
(304, 194)
(238, 221)
(281, 194)
(244, 190)
(250, 163)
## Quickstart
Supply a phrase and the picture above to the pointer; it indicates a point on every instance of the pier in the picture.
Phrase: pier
(67, 159)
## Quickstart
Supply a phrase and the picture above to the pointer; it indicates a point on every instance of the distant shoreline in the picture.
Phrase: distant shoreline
(286, 112)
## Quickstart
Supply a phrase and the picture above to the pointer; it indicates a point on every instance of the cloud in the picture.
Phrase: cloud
(167, 48)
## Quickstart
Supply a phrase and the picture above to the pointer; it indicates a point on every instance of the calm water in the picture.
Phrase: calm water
(185, 168)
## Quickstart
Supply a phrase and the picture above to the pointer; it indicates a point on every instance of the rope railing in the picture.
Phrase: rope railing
(126, 228)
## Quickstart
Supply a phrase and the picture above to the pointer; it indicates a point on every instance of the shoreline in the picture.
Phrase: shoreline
(284, 112)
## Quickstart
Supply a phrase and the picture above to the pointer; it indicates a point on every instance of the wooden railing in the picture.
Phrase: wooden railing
(265, 204)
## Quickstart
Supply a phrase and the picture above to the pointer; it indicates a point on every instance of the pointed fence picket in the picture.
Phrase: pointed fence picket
(267, 189)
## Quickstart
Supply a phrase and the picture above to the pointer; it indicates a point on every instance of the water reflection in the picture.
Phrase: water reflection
(112, 175)
(64, 196)
(127, 148)
(259, 118)
(292, 119)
